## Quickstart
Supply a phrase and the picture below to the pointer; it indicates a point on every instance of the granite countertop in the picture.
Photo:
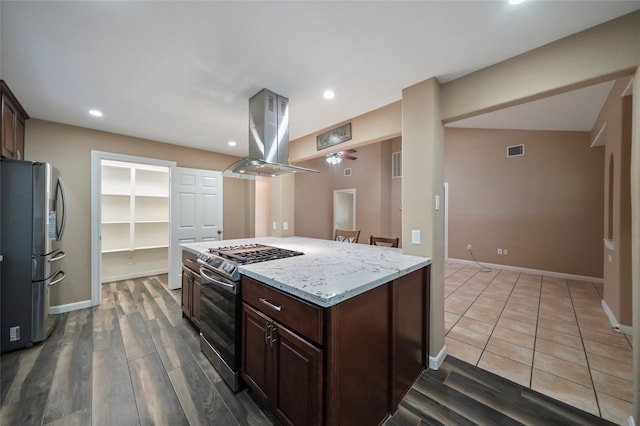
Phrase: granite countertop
(329, 271)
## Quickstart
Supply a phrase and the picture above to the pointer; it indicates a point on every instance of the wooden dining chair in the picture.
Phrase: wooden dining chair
(347, 236)
(383, 241)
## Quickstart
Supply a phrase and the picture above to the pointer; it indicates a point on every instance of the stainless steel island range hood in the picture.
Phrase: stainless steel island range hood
(268, 139)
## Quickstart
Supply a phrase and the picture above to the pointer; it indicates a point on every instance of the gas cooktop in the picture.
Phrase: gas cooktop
(252, 253)
(224, 260)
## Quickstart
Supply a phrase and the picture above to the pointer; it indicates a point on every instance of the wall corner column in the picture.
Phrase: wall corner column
(422, 182)
(283, 205)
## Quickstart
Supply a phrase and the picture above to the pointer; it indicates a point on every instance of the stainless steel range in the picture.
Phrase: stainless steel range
(220, 303)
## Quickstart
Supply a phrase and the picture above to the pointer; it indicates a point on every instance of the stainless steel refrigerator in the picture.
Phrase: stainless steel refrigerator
(32, 220)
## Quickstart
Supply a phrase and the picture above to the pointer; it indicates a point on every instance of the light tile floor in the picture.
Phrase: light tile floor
(546, 333)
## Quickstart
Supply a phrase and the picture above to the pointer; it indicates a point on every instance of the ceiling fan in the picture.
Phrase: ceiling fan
(337, 157)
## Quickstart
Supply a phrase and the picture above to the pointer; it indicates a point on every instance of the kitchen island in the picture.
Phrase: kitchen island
(335, 336)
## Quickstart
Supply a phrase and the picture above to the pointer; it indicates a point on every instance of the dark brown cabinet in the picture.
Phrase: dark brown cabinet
(283, 368)
(190, 288)
(12, 124)
(348, 364)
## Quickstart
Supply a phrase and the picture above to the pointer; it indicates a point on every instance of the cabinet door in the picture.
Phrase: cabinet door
(8, 129)
(195, 301)
(256, 355)
(297, 394)
(19, 141)
(187, 283)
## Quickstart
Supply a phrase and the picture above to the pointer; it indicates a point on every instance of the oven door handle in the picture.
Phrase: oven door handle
(210, 279)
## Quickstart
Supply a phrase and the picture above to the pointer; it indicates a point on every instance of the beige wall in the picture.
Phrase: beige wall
(635, 240)
(282, 205)
(545, 207)
(262, 207)
(370, 177)
(69, 149)
(616, 119)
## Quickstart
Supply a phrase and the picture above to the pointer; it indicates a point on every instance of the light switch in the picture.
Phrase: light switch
(285, 226)
(437, 202)
(275, 226)
(415, 236)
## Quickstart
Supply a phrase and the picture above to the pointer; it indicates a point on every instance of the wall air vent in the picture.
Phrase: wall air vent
(515, 151)
(396, 164)
(347, 171)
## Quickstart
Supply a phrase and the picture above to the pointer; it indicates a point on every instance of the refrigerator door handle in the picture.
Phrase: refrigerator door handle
(64, 210)
(57, 280)
(61, 255)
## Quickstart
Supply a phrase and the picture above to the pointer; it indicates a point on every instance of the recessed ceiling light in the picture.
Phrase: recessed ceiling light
(232, 143)
(329, 94)
(516, 1)
(95, 113)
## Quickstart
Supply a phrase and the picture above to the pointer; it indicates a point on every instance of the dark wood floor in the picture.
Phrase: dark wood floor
(135, 361)
(461, 394)
(131, 361)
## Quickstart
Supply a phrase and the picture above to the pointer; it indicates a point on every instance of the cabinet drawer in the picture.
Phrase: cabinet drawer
(190, 260)
(296, 314)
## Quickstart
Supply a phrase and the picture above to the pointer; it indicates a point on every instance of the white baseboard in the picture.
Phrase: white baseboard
(530, 271)
(60, 309)
(133, 275)
(436, 362)
(626, 329)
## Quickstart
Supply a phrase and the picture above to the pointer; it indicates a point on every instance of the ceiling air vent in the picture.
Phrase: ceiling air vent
(515, 151)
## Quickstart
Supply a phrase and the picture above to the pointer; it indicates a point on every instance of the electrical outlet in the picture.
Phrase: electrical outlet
(499, 251)
(468, 246)
(505, 251)
(275, 226)
(285, 226)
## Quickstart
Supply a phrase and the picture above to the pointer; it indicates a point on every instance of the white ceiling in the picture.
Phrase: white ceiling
(182, 72)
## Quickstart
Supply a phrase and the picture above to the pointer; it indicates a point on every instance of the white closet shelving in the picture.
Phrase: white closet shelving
(135, 220)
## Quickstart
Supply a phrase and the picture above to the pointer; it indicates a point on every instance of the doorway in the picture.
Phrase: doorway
(128, 181)
(344, 209)
(134, 220)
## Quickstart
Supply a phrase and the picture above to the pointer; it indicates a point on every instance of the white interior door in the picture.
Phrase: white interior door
(196, 213)
(344, 209)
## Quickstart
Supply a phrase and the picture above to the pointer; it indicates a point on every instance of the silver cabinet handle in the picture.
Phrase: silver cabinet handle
(271, 305)
(190, 260)
(64, 209)
(56, 281)
(59, 256)
(212, 280)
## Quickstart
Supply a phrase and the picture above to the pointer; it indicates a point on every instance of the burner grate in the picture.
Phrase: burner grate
(252, 253)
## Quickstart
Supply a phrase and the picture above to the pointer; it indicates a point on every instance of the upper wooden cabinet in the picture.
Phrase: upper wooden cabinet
(12, 124)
